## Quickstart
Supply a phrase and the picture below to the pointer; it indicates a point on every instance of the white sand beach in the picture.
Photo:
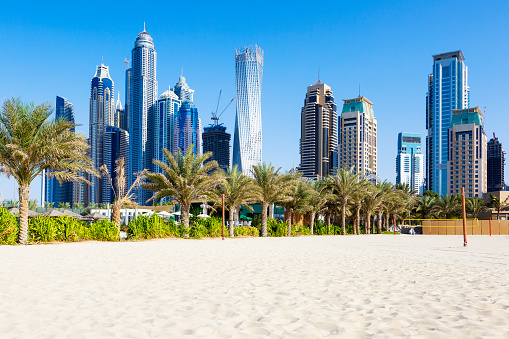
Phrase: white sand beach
(306, 287)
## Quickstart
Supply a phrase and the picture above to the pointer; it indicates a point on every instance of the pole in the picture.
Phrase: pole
(464, 216)
(394, 225)
(223, 216)
(490, 226)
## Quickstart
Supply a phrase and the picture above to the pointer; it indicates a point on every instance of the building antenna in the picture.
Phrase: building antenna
(182, 71)
(318, 73)
(102, 60)
(144, 26)
(359, 90)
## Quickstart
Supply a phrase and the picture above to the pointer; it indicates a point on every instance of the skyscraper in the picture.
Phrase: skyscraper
(189, 127)
(182, 90)
(116, 146)
(217, 141)
(410, 162)
(319, 132)
(120, 117)
(247, 140)
(448, 90)
(496, 162)
(358, 137)
(466, 166)
(165, 127)
(101, 115)
(52, 190)
(143, 95)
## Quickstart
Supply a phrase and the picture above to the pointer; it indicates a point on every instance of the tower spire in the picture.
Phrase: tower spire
(182, 71)
(144, 26)
(318, 73)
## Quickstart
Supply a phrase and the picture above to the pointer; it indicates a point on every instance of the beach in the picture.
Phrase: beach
(301, 287)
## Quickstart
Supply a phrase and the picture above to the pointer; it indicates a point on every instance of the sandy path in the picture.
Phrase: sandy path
(307, 287)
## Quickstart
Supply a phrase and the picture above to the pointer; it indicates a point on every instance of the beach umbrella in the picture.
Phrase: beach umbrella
(15, 210)
(72, 214)
(53, 213)
(245, 217)
(95, 216)
(205, 216)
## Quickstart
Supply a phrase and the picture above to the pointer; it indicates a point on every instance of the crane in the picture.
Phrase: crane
(215, 116)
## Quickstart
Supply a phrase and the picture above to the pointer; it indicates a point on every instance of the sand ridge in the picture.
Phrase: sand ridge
(305, 287)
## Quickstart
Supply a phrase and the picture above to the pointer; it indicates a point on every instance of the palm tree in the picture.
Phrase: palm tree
(237, 189)
(385, 190)
(498, 205)
(123, 196)
(475, 206)
(77, 205)
(184, 179)
(297, 198)
(343, 186)
(64, 205)
(316, 201)
(269, 187)
(32, 204)
(11, 203)
(425, 206)
(370, 205)
(30, 145)
(356, 200)
(48, 204)
(448, 206)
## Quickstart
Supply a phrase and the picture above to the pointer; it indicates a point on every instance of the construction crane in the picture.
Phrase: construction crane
(215, 116)
(127, 62)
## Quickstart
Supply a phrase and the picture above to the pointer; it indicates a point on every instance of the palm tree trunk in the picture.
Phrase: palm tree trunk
(312, 222)
(289, 230)
(367, 223)
(116, 216)
(24, 195)
(343, 217)
(264, 219)
(327, 222)
(231, 213)
(379, 223)
(358, 221)
(184, 215)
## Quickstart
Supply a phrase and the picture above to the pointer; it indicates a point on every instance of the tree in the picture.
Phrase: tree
(30, 145)
(237, 189)
(77, 205)
(448, 207)
(343, 186)
(269, 187)
(185, 178)
(425, 206)
(356, 200)
(370, 205)
(385, 194)
(32, 204)
(123, 196)
(498, 205)
(64, 205)
(48, 204)
(316, 201)
(299, 193)
(475, 206)
(11, 203)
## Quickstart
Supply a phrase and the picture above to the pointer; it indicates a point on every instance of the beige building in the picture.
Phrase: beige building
(358, 137)
(467, 163)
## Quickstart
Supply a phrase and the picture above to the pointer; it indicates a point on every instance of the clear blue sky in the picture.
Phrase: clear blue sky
(386, 46)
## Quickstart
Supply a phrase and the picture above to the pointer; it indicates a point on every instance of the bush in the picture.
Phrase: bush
(276, 228)
(247, 231)
(103, 230)
(69, 229)
(210, 227)
(42, 229)
(145, 227)
(9, 228)
(300, 230)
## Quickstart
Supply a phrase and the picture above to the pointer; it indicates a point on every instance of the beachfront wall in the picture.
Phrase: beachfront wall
(474, 227)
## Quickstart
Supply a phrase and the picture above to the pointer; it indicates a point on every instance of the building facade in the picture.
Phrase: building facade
(447, 90)
(216, 140)
(120, 116)
(495, 163)
(142, 97)
(182, 90)
(116, 146)
(188, 129)
(319, 132)
(410, 162)
(247, 140)
(358, 137)
(467, 163)
(165, 127)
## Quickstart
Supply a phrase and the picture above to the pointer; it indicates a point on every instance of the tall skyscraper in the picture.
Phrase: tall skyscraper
(410, 162)
(165, 127)
(217, 141)
(52, 190)
(319, 132)
(189, 127)
(247, 140)
(102, 108)
(120, 117)
(182, 90)
(496, 162)
(466, 166)
(143, 95)
(358, 137)
(448, 90)
(116, 146)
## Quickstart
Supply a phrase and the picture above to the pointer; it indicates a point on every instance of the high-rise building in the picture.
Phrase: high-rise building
(247, 140)
(120, 117)
(358, 137)
(165, 127)
(116, 146)
(466, 166)
(496, 162)
(182, 90)
(142, 97)
(127, 97)
(410, 162)
(217, 141)
(52, 190)
(188, 129)
(447, 90)
(102, 109)
(319, 132)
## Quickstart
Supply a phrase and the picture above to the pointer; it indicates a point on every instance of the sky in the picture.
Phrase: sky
(386, 47)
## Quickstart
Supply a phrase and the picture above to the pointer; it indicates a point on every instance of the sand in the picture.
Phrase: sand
(306, 287)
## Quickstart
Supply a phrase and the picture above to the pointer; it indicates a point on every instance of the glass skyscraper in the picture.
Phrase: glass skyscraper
(102, 108)
(448, 90)
(247, 140)
(142, 90)
(216, 140)
(182, 90)
(166, 120)
(116, 146)
(189, 127)
(410, 161)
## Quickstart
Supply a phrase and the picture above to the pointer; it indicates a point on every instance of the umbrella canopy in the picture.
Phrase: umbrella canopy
(95, 216)
(72, 214)
(175, 213)
(245, 217)
(205, 216)
(164, 214)
(15, 210)
(53, 213)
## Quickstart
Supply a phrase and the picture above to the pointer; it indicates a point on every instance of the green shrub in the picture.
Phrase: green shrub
(247, 231)
(145, 227)
(198, 230)
(103, 230)
(9, 228)
(69, 229)
(276, 228)
(42, 229)
(300, 230)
